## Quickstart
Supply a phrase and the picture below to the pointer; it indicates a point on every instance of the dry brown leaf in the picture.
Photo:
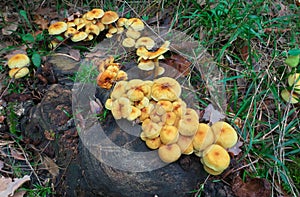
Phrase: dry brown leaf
(16, 154)
(179, 62)
(73, 16)
(9, 186)
(251, 188)
(41, 22)
(9, 29)
(51, 166)
(235, 150)
(212, 115)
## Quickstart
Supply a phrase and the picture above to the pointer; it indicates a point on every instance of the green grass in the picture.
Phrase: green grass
(270, 130)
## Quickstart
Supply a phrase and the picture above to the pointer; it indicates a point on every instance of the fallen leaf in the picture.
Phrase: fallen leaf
(16, 154)
(96, 106)
(2, 118)
(73, 16)
(51, 166)
(245, 52)
(179, 63)
(41, 22)
(9, 29)
(251, 188)
(235, 150)
(9, 186)
(212, 115)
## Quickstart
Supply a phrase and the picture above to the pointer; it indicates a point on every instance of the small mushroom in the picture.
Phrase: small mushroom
(108, 104)
(142, 103)
(154, 143)
(57, 28)
(179, 108)
(151, 129)
(94, 14)
(289, 97)
(109, 17)
(121, 75)
(294, 81)
(119, 90)
(100, 26)
(135, 113)
(165, 88)
(130, 33)
(186, 144)
(121, 108)
(18, 72)
(146, 64)
(188, 125)
(169, 153)
(18, 61)
(169, 134)
(225, 134)
(128, 42)
(145, 112)
(121, 22)
(216, 158)
(70, 32)
(79, 36)
(91, 28)
(169, 118)
(106, 79)
(203, 138)
(145, 42)
(135, 23)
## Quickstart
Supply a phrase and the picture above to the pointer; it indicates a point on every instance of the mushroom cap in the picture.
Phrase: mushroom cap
(211, 171)
(186, 144)
(112, 29)
(142, 103)
(91, 28)
(79, 36)
(130, 33)
(57, 28)
(188, 124)
(137, 89)
(294, 80)
(108, 35)
(71, 24)
(105, 79)
(151, 129)
(134, 114)
(179, 108)
(109, 17)
(121, 108)
(121, 22)
(78, 21)
(165, 88)
(94, 13)
(169, 134)
(70, 32)
(18, 72)
(169, 118)
(169, 153)
(165, 105)
(146, 65)
(145, 42)
(145, 112)
(121, 75)
(289, 97)
(119, 90)
(160, 70)
(108, 104)
(143, 53)
(153, 143)
(161, 50)
(128, 42)
(225, 134)
(18, 61)
(100, 26)
(203, 137)
(135, 23)
(216, 157)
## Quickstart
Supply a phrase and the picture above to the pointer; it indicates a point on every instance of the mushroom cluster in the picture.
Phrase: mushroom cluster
(109, 73)
(88, 26)
(292, 95)
(168, 125)
(18, 65)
